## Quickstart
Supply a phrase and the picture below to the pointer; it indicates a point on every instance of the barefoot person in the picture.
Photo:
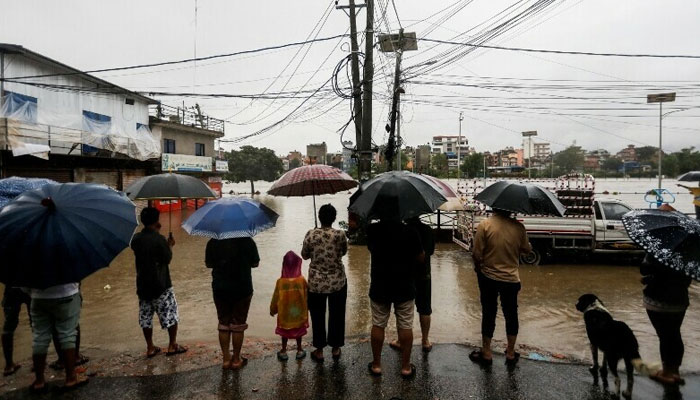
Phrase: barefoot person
(56, 308)
(231, 262)
(498, 244)
(396, 251)
(326, 247)
(666, 300)
(12, 300)
(423, 284)
(153, 285)
(289, 303)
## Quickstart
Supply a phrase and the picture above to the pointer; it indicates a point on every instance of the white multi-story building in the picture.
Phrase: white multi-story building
(449, 145)
(539, 150)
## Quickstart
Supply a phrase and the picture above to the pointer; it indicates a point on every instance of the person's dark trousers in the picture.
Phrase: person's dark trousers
(336, 318)
(490, 290)
(697, 212)
(668, 329)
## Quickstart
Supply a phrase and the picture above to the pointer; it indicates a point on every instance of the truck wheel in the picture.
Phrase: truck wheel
(532, 258)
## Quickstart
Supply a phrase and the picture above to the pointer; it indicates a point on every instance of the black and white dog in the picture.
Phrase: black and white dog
(615, 339)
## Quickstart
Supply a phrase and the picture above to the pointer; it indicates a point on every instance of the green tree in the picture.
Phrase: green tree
(294, 163)
(473, 165)
(569, 159)
(612, 164)
(670, 165)
(253, 164)
(646, 154)
(439, 165)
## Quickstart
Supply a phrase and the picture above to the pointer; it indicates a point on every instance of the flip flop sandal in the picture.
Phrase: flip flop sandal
(477, 356)
(282, 356)
(82, 360)
(244, 362)
(395, 345)
(372, 371)
(316, 358)
(514, 360)
(301, 355)
(178, 350)
(336, 356)
(157, 351)
(411, 375)
(14, 369)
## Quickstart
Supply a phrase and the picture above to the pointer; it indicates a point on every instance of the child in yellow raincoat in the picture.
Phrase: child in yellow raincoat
(289, 303)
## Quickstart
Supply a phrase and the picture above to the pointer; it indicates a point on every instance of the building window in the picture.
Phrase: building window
(20, 106)
(199, 149)
(169, 146)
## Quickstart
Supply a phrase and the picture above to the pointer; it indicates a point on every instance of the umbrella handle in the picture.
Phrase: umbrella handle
(315, 218)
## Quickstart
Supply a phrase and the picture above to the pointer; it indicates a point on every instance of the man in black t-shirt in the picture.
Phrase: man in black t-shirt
(396, 250)
(153, 286)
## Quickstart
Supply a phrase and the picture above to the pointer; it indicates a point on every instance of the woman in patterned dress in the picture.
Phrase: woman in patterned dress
(326, 247)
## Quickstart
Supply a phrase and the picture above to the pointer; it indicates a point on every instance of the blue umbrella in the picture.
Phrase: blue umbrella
(228, 218)
(14, 186)
(62, 233)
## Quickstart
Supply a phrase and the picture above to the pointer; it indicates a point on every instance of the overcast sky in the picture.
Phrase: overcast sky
(100, 34)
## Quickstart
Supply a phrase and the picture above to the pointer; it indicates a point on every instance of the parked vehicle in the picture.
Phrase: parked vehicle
(590, 225)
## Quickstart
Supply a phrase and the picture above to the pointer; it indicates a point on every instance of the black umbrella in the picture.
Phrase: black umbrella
(396, 195)
(523, 198)
(692, 176)
(169, 187)
(669, 236)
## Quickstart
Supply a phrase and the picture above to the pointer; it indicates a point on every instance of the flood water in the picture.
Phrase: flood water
(547, 314)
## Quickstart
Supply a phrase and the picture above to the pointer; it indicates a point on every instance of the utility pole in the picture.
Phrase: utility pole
(355, 67)
(459, 149)
(661, 99)
(529, 135)
(365, 147)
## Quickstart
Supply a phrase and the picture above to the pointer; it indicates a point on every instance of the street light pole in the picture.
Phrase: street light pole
(661, 98)
(459, 148)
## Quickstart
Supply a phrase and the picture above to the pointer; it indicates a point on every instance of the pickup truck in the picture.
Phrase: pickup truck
(600, 232)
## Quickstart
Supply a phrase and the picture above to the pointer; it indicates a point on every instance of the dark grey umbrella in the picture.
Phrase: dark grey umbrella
(692, 176)
(396, 195)
(169, 187)
(671, 237)
(523, 198)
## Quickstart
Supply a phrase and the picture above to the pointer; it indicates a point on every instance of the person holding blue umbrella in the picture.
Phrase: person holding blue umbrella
(231, 254)
(51, 238)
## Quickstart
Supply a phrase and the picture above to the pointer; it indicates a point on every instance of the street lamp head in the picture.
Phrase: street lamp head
(661, 97)
(529, 133)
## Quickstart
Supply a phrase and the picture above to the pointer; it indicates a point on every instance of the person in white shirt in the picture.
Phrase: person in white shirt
(55, 309)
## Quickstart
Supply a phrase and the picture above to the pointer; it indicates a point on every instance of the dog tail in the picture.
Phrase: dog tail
(644, 368)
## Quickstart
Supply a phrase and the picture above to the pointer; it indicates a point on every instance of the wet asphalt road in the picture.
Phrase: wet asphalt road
(445, 374)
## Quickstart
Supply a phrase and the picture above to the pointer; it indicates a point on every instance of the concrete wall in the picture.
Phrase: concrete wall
(185, 138)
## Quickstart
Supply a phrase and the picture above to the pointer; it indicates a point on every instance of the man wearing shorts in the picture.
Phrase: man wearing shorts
(12, 300)
(55, 310)
(153, 286)
(423, 283)
(396, 251)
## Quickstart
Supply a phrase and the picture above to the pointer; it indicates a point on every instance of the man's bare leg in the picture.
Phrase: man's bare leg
(172, 337)
(377, 341)
(225, 343)
(406, 340)
(39, 367)
(148, 335)
(237, 339)
(486, 353)
(8, 351)
(425, 331)
(510, 350)
(69, 358)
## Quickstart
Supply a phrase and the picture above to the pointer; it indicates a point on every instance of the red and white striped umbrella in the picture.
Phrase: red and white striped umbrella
(311, 180)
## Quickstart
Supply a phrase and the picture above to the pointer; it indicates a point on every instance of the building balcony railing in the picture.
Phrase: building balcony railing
(189, 117)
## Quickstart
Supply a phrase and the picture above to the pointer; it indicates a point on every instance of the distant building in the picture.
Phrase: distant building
(510, 157)
(285, 163)
(449, 145)
(348, 161)
(627, 154)
(422, 163)
(316, 153)
(592, 162)
(335, 160)
(295, 155)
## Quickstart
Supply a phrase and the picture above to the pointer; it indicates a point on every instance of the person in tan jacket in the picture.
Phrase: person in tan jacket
(498, 244)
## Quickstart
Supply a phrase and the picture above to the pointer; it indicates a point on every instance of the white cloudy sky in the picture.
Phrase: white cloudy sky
(595, 101)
